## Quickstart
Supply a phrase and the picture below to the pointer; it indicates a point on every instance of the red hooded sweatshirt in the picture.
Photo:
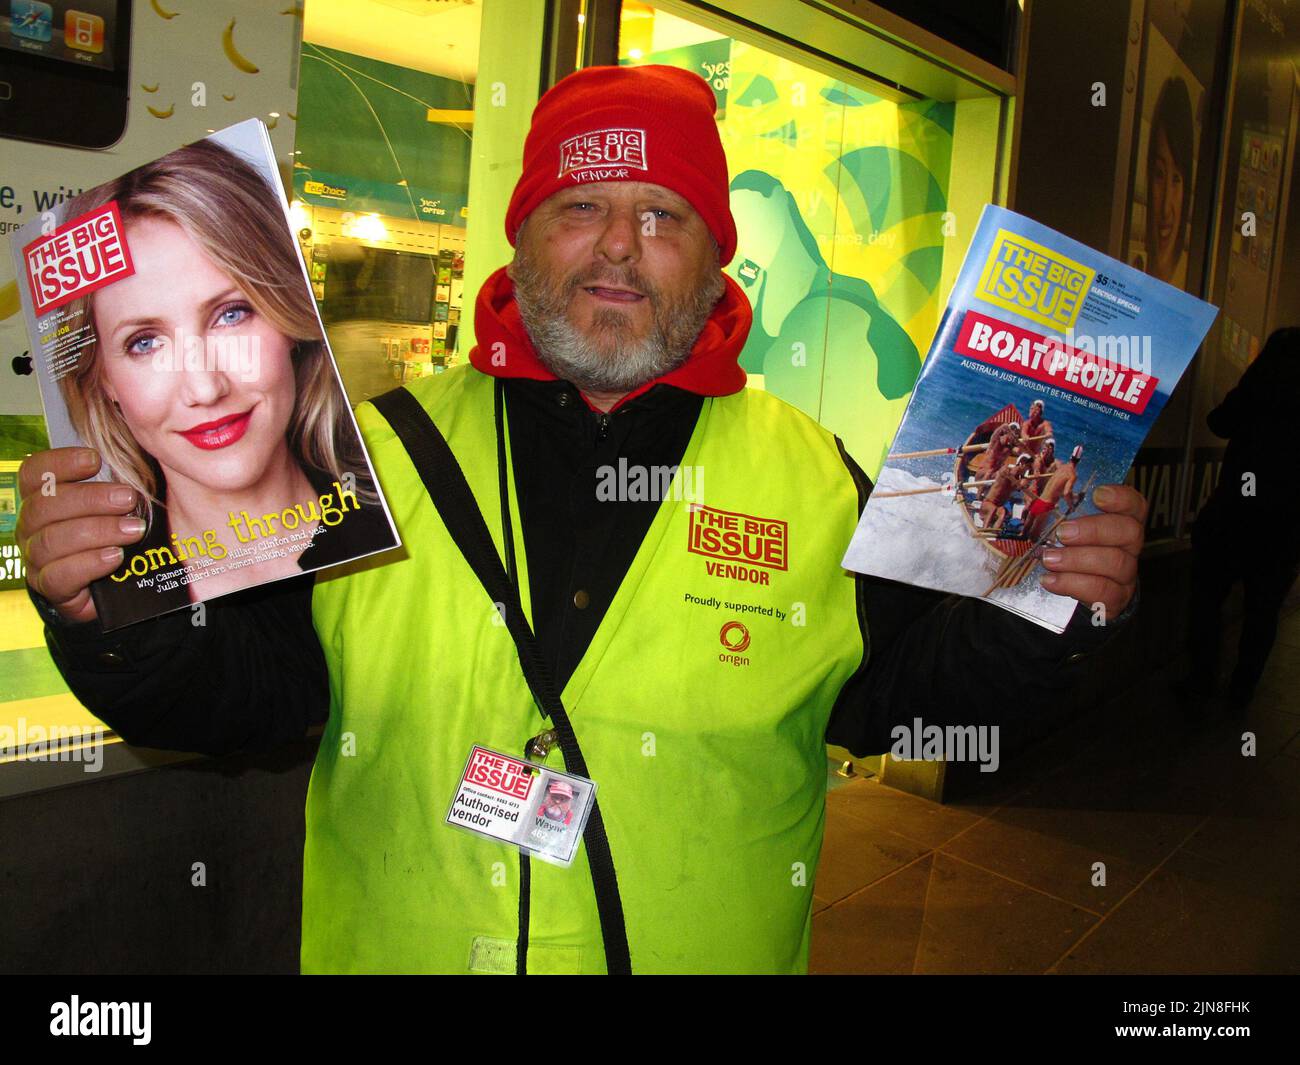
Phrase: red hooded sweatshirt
(711, 369)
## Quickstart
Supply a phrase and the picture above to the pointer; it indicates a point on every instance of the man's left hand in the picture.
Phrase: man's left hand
(1099, 562)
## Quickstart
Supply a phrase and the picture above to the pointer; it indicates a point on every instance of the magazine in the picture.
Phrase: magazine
(1050, 365)
(174, 331)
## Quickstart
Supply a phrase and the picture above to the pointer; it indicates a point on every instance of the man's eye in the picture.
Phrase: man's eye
(582, 205)
(662, 214)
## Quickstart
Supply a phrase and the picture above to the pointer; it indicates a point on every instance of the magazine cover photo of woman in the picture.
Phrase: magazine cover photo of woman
(1170, 155)
(262, 427)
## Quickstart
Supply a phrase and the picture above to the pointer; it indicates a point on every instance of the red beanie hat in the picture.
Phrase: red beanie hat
(650, 123)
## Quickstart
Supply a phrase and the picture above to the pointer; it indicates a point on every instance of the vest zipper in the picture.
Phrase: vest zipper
(602, 426)
(525, 891)
(535, 747)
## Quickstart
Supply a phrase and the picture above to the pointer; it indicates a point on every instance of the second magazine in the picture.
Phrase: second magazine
(1051, 363)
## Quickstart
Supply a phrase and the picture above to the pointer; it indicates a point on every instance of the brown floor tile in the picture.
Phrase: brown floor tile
(1032, 846)
(873, 931)
(1251, 857)
(1137, 812)
(976, 922)
(1187, 919)
(928, 823)
(856, 854)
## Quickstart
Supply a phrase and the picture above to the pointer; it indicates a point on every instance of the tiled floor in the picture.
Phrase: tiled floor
(1200, 845)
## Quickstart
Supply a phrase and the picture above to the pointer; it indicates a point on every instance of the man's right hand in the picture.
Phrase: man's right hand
(72, 534)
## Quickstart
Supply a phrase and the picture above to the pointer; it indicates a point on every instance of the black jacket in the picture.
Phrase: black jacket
(254, 675)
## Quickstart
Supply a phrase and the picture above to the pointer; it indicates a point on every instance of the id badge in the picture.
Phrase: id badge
(540, 810)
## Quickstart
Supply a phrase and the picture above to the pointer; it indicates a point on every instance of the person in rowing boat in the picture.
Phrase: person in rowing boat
(1036, 427)
(1057, 486)
(1009, 479)
(1044, 462)
(1002, 445)
(982, 434)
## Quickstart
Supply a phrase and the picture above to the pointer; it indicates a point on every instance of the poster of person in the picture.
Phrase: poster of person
(174, 331)
(1164, 174)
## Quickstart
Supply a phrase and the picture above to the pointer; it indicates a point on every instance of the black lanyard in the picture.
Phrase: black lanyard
(503, 483)
(454, 500)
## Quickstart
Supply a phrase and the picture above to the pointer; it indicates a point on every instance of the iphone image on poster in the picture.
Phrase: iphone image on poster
(64, 70)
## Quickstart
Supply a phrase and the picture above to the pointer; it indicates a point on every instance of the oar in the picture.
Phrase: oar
(944, 487)
(922, 491)
(935, 451)
(951, 450)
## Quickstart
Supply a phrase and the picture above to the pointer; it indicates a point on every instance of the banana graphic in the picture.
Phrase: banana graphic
(227, 98)
(158, 10)
(148, 88)
(161, 114)
(272, 123)
(8, 300)
(232, 53)
(295, 10)
(292, 116)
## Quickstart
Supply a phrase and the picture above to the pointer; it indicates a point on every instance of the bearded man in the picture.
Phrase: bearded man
(690, 659)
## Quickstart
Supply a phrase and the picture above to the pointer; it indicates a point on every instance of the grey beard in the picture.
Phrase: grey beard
(618, 364)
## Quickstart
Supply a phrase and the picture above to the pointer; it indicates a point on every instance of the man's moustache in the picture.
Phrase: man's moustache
(601, 281)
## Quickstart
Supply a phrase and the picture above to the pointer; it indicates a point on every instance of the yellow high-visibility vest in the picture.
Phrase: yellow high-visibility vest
(700, 705)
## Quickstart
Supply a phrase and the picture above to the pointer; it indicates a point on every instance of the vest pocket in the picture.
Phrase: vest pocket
(488, 954)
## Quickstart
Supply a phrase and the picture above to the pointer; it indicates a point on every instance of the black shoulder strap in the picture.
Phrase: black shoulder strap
(451, 495)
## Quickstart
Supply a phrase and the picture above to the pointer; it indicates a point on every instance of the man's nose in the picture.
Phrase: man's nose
(620, 239)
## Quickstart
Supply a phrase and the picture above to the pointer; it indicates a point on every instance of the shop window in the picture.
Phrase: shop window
(381, 180)
(839, 198)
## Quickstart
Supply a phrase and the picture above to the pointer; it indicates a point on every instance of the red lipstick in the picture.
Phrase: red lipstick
(218, 434)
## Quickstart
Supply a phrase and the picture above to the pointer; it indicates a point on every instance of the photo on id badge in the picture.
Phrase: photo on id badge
(559, 816)
(556, 804)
